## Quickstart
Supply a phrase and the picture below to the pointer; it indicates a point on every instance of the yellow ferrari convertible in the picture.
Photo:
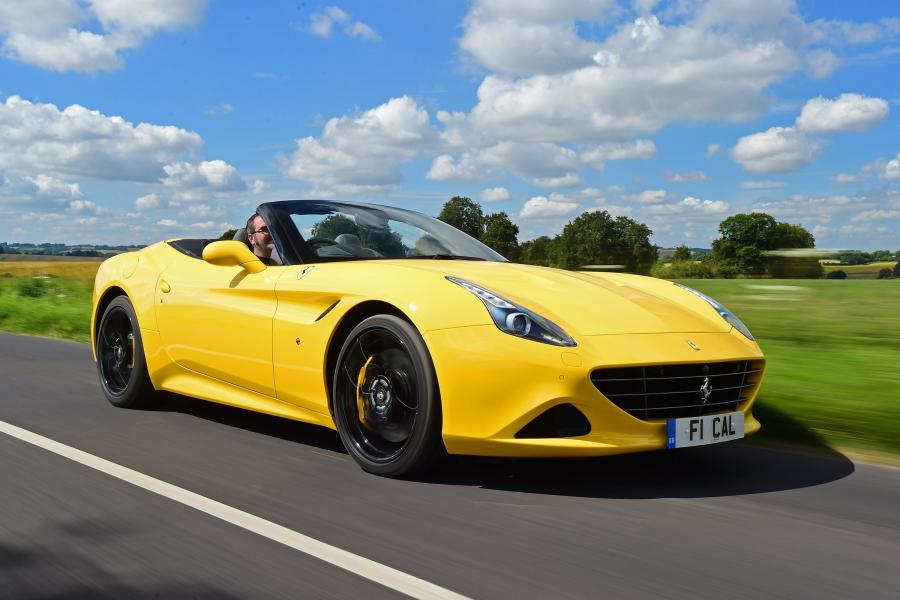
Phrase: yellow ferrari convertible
(414, 340)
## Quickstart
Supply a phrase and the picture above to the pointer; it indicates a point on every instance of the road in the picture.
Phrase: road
(734, 521)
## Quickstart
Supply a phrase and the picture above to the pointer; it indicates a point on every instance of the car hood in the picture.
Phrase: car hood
(588, 303)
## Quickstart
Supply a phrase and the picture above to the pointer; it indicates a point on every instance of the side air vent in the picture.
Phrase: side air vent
(563, 420)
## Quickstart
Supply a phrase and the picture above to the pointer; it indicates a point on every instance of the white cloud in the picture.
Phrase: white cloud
(846, 178)
(202, 211)
(763, 184)
(848, 112)
(688, 177)
(820, 64)
(147, 202)
(76, 141)
(876, 215)
(713, 149)
(495, 194)
(529, 36)
(214, 174)
(363, 152)
(705, 69)
(777, 150)
(541, 207)
(259, 186)
(890, 170)
(633, 150)
(45, 33)
(547, 165)
(167, 223)
(45, 185)
(567, 180)
(219, 109)
(323, 23)
(687, 205)
(82, 206)
(649, 196)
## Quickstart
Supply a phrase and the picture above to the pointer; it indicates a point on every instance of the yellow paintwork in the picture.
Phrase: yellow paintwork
(258, 340)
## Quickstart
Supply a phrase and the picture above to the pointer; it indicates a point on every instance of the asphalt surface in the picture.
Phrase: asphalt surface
(731, 520)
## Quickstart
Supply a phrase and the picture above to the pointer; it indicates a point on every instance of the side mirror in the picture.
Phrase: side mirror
(231, 254)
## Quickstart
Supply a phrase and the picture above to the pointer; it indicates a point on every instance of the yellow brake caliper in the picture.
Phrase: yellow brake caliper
(360, 399)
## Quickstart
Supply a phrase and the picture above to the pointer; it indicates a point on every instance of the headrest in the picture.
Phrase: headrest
(347, 239)
(241, 236)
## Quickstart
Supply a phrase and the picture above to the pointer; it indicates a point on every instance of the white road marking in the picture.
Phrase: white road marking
(381, 574)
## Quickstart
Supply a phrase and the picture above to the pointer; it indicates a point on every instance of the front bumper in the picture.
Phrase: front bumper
(493, 384)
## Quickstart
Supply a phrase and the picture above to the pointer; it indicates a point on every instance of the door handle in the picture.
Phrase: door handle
(164, 286)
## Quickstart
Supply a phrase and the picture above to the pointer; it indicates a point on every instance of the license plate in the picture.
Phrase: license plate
(709, 429)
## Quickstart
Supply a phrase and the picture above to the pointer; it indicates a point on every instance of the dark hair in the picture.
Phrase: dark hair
(250, 222)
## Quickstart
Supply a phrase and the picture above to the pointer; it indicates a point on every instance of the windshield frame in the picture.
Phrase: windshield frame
(294, 250)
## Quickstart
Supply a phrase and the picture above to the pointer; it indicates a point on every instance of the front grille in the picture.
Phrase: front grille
(672, 391)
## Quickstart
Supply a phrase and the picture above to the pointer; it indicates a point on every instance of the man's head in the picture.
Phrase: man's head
(259, 237)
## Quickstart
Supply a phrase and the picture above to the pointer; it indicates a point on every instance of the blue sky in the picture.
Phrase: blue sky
(129, 121)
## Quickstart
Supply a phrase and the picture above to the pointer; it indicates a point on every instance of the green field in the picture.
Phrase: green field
(832, 347)
(833, 354)
(51, 298)
(869, 271)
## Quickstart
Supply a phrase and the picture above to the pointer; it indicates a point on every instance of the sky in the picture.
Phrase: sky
(131, 121)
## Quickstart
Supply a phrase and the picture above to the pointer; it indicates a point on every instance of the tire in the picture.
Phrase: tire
(386, 402)
(121, 364)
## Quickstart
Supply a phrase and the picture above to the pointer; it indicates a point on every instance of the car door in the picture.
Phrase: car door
(302, 331)
(217, 321)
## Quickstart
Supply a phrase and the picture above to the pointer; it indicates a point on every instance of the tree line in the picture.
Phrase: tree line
(753, 244)
(593, 238)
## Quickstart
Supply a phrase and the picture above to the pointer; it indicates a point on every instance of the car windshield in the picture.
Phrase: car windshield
(339, 230)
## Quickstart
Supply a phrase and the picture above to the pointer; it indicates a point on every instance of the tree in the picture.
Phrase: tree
(682, 253)
(228, 235)
(382, 240)
(854, 257)
(897, 269)
(596, 238)
(465, 215)
(745, 238)
(836, 274)
(500, 234)
(537, 251)
(786, 235)
(334, 225)
(885, 274)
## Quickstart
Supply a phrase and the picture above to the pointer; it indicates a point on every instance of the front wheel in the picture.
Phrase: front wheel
(385, 398)
(120, 357)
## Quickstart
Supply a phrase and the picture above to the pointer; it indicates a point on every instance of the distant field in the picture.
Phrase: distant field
(869, 271)
(32, 258)
(832, 347)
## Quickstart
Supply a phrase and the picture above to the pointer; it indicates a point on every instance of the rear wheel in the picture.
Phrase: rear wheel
(120, 357)
(386, 402)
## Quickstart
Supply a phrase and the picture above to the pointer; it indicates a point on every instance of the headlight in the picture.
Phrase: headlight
(517, 320)
(723, 312)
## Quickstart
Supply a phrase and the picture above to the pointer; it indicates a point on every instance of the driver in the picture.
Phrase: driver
(260, 239)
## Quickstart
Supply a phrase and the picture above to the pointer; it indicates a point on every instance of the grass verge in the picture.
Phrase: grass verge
(833, 353)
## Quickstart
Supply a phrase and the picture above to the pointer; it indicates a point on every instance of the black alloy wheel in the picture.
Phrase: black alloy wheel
(385, 399)
(120, 357)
